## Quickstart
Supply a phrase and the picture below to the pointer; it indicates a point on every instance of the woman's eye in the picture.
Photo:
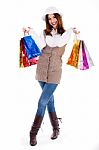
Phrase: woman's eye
(49, 18)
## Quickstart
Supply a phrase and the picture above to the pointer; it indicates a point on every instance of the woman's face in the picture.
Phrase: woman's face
(53, 21)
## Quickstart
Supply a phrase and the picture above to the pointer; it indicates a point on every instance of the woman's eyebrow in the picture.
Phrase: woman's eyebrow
(51, 17)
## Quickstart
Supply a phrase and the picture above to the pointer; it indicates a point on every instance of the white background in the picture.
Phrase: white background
(76, 98)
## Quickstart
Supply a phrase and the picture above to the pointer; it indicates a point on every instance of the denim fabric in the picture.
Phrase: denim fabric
(50, 105)
(46, 98)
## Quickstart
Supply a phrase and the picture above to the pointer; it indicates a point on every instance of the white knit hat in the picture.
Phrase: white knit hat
(50, 10)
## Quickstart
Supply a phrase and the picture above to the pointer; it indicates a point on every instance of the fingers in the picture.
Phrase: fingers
(75, 30)
(26, 30)
(29, 28)
(78, 32)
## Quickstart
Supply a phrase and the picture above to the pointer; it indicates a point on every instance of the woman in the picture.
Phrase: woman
(52, 42)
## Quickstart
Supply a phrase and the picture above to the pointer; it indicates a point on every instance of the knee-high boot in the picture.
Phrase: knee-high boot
(34, 129)
(55, 125)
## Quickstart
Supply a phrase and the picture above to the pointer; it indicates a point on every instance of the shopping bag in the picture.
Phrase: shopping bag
(80, 57)
(84, 58)
(89, 59)
(84, 61)
(31, 47)
(23, 59)
(74, 56)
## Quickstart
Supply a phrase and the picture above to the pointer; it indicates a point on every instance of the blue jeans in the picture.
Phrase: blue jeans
(46, 98)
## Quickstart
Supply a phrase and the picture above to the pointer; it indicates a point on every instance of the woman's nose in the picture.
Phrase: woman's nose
(53, 20)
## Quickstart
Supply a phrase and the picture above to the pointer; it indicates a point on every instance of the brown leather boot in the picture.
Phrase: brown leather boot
(55, 125)
(34, 129)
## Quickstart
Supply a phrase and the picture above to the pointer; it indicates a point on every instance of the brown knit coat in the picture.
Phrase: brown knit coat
(49, 67)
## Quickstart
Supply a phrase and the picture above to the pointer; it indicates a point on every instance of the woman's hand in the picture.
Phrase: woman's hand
(75, 31)
(26, 30)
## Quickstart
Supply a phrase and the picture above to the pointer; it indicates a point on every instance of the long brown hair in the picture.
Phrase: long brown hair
(60, 28)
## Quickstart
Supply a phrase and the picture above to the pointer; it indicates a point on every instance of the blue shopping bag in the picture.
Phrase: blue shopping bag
(32, 50)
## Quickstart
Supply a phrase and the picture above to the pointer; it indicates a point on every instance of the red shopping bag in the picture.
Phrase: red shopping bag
(23, 59)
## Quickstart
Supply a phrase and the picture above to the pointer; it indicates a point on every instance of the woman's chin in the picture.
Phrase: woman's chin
(54, 27)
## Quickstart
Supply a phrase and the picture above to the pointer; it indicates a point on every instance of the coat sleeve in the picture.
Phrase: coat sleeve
(39, 40)
(64, 39)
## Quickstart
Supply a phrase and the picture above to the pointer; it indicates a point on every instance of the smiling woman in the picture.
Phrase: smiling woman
(49, 68)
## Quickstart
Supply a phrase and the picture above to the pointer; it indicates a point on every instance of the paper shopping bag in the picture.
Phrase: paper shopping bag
(84, 61)
(23, 59)
(74, 56)
(31, 47)
(80, 57)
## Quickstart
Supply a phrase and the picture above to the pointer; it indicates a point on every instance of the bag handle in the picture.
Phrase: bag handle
(76, 37)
